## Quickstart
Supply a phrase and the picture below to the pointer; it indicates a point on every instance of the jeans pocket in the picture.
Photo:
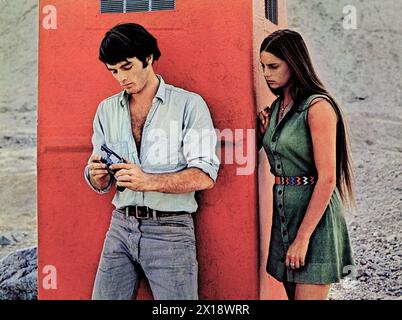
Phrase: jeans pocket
(180, 221)
(173, 224)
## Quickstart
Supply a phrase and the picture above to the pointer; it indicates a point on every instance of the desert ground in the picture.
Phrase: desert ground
(362, 67)
(18, 105)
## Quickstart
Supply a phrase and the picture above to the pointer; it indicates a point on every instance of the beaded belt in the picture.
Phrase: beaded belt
(295, 181)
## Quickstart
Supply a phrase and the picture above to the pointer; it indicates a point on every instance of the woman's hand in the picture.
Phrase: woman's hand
(296, 255)
(263, 121)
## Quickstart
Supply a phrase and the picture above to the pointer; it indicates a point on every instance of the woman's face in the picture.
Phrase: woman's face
(277, 73)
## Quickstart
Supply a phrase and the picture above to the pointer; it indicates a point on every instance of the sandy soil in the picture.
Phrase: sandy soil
(18, 96)
(361, 67)
(376, 225)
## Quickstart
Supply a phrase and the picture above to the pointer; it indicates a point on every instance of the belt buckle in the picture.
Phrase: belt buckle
(137, 216)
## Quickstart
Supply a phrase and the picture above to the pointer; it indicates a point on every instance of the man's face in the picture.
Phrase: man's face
(131, 74)
(277, 73)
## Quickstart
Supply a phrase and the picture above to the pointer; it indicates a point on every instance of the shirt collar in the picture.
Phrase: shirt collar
(160, 94)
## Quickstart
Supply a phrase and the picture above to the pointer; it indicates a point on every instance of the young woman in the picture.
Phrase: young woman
(304, 136)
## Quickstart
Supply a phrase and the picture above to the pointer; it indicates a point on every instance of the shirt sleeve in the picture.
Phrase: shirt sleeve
(97, 140)
(199, 138)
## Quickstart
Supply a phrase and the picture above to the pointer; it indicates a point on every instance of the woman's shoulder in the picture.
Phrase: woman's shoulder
(315, 99)
(321, 110)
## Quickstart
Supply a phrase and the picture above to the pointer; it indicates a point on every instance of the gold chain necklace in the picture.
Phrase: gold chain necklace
(283, 108)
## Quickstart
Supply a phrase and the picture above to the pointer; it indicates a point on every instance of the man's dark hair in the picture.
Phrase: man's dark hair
(128, 40)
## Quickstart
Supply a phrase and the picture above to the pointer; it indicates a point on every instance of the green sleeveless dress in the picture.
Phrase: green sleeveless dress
(289, 148)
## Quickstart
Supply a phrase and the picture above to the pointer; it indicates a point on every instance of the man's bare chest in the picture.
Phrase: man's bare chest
(138, 117)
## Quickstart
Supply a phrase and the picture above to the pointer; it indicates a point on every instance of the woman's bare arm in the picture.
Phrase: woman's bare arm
(322, 122)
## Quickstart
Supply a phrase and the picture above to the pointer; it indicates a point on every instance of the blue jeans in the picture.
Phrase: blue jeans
(162, 249)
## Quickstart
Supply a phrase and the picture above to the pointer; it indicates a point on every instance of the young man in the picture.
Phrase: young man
(168, 140)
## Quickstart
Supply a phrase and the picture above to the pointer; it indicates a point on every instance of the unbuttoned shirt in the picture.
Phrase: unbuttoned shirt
(178, 133)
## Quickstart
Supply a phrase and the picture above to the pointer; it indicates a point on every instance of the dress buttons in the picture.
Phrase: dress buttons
(274, 139)
(283, 220)
(280, 192)
(278, 166)
(280, 206)
(274, 153)
(285, 233)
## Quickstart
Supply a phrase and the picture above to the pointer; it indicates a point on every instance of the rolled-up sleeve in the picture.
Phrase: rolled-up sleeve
(199, 138)
(98, 139)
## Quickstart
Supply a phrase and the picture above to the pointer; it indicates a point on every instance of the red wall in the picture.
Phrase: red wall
(206, 48)
(269, 287)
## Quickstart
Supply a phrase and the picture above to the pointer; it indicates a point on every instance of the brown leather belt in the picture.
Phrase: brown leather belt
(143, 212)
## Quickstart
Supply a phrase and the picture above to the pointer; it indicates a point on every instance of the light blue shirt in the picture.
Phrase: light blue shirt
(178, 133)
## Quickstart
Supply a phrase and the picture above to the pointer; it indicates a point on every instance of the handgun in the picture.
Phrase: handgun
(108, 161)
